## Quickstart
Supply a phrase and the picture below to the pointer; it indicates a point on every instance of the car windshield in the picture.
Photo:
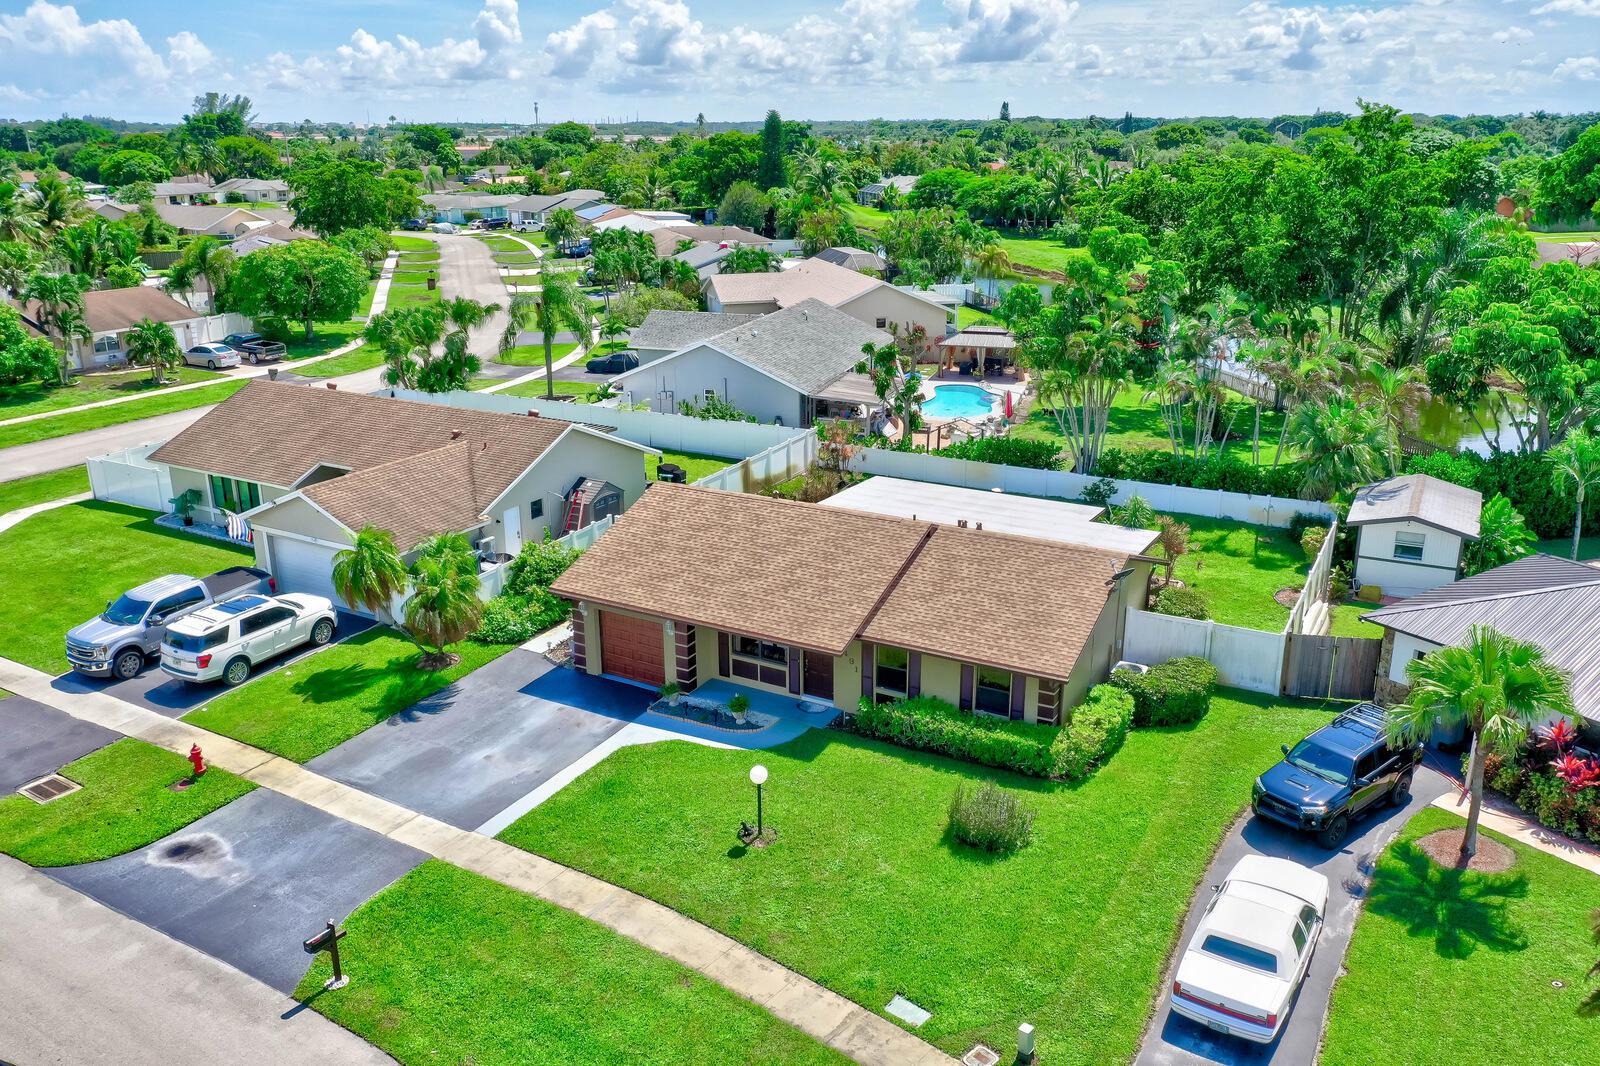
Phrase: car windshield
(1243, 954)
(1309, 755)
(126, 611)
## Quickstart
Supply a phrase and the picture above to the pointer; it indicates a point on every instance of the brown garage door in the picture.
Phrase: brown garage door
(632, 648)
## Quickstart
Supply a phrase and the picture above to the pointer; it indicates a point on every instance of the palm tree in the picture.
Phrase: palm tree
(1396, 393)
(680, 277)
(444, 606)
(17, 263)
(748, 259)
(562, 227)
(1575, 467)
(557, 306)
(1453, 255)
(56, 303)
(153, 344)
(371, 574)
(1494, 686)
(19, 216)
(204, 259)
(1343, 443)
(57, 204)
(1503, 536)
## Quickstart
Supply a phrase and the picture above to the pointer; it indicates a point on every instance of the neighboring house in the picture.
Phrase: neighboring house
(110, 313)
(862, 262)
(454, 206)
(664, 332)
(490, 175)
(310, 468)
(1541, 599)
(793, 367)
(1410, 532)
(872, 301)
(179, 191)
(833, 605)
(28, 179)
(706, 258)
(111, 211)
(536, 209)
(256, 190)
(274, 233)
(872, 195)
(224, 222)
(594, 212)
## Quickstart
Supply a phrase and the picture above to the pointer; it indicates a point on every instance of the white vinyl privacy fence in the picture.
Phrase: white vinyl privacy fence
(1250, 659)
(492, 581)
(1207, 503)
(767, 467)
(127, 476)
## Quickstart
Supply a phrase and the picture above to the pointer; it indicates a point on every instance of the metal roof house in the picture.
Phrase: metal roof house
(1410, 532)
(1541, 599)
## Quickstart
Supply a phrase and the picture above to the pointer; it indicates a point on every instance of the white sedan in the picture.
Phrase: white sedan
(212, 356)
(1251, 949)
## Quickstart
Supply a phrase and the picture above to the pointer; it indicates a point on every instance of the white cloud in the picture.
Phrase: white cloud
(189, 54)
(1513, 35)
(54, 54)
(1578, 68)
(1589, 8)
(1007, 30)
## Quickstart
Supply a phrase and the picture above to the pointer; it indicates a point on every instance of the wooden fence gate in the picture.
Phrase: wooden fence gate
(1341, 668)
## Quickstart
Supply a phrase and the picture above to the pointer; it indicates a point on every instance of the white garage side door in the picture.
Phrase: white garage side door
(301, 566)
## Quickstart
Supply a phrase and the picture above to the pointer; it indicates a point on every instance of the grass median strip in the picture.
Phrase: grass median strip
(1071, 933)
(42, 488)
(125, 803)
(37, 397)
(70, 422)
(363, 358)
(322, 701)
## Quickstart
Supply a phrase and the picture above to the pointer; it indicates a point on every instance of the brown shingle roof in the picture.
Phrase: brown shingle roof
(112, 310)
(747, 564)
(408, 474)
(945, 605)
(820, 577)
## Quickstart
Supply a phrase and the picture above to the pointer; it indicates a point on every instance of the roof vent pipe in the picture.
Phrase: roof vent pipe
(455, 434)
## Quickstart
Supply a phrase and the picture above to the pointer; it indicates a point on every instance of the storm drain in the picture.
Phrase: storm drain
(49, 787)
(907, 1011)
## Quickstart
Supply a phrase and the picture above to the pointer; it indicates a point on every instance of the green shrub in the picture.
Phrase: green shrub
(1230, 474)
(1008, 451)
(1174, 693)
(1182, 603)
(537, 566)
(1098, 727)
(512, 619)
(990, 818)
(1312, 540)
(1302, 523)
(930, 724)
(1099, 493)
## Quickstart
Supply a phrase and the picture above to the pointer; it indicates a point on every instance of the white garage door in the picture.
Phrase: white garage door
(301, 566)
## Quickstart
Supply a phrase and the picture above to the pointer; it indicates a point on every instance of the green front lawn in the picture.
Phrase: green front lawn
(62, 566)
(583, 390)
(1133, 423)
(99, 417)
(39, 397)
(533, 354)
(1454, 966)
(864, 892)
(870, 219)
(405, 243)
(308, 707)
(363, 358)
(1563, 236)
(327, 335)
(412, 277)
(454, 968)
(694, 464)
(411, 296)
(1040, 253)
(971, 316)
(517, 259)
(42, 488)
(124, 804)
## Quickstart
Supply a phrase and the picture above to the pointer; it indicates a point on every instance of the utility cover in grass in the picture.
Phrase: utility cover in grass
(907, 1011)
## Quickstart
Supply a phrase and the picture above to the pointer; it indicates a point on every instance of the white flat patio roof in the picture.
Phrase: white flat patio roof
(1002, 512)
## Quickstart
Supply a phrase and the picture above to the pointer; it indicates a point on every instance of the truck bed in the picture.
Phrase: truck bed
(235, 579)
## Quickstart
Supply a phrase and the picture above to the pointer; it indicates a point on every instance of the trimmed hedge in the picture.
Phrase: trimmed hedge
(1520, 477)
(1231, 475)
(1174, 693)
(1008, 451)
(1096, 731)
(1182, 603)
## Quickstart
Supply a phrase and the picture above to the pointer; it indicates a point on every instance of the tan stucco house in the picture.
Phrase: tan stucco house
(309, 468)
(110, 313)
(868, 299)
(834, 604)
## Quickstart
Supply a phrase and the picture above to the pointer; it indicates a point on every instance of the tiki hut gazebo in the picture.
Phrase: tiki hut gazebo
(978, 350)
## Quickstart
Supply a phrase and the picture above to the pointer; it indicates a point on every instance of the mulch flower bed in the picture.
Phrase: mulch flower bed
(1444, 848)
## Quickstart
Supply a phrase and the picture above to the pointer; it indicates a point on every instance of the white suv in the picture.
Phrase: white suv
(229, 639)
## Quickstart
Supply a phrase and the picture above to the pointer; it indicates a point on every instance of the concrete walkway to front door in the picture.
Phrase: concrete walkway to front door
(822, 1014)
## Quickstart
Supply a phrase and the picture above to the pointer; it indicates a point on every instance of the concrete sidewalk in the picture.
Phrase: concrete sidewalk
(85, 986)
(818, 1012)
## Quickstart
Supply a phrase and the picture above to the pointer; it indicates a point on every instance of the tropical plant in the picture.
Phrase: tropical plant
(370, 573)
(1503, 536)
(1173, 538)
(563, 227)
(19, 216)
(444, 607)
(557, 306)
(153, 344)
(749, 259)
(892, 366)
(57, 306)
(204, 259)
(1342, 442)
(1494, 687)
(1575, 469)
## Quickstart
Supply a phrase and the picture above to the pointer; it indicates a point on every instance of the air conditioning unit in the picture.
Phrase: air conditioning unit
(485, 546)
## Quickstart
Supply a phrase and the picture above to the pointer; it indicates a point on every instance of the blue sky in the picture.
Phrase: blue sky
(669, 59)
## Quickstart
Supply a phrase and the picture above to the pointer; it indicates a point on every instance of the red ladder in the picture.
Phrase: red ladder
(574, 511)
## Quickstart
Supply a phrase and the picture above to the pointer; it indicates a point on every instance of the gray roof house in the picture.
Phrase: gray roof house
(664, 332)
(871, 194)
(1410, 532)
(536, 209)
(792, 367)
(453, 206)
(263, 190)
(1541, 599)
(856, 259)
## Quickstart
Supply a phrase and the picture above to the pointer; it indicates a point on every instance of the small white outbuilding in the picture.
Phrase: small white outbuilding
(1411, 530)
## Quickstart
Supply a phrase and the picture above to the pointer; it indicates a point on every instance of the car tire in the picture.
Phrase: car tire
(1400, 794)
(127, 665)
(322, 632)
(1335, 832)
(211, 364)
(236, 673)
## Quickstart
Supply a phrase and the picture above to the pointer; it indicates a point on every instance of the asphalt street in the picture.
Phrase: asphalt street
(36, 740)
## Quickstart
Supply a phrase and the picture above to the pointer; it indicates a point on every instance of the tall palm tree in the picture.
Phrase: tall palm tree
(1343, 444)
(55, 301)
(444, 606)
(680, 277)
(17, 264)
(1454, 254)
(19, 216)
(1575, 468)
(562, 227)
(371, 574)
(153, 344)
(205, 259)
(57, 204)
(1395, 393)
(1494, 686)
(557, 306)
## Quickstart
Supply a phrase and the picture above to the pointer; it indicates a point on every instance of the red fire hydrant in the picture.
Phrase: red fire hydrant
(198, 760)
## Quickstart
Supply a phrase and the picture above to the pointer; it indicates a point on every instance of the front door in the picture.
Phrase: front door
(817, 676)
(512, 523)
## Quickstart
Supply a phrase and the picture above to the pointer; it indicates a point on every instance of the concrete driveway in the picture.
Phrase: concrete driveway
(1175, 1041)
(247, 883)
(155, 691)
(36, 740)
(476, 747)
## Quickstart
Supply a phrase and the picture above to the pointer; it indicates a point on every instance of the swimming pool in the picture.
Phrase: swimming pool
(958, 401)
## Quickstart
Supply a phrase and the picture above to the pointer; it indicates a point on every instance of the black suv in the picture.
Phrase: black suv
(1336, 773)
